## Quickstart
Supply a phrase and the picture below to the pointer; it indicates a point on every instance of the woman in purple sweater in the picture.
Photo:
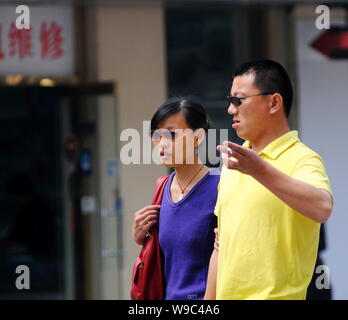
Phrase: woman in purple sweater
(186, 221)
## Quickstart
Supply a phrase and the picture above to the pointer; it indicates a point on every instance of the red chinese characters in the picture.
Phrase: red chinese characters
(51, 41)
(19, 42)
(23, 43)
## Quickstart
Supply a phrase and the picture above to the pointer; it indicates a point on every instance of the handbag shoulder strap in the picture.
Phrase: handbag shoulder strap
(159, 188)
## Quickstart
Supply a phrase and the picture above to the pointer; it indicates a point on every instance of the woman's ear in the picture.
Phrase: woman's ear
(275, 103)
(199, 136)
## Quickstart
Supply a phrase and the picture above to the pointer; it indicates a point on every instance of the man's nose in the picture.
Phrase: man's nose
(232, 110)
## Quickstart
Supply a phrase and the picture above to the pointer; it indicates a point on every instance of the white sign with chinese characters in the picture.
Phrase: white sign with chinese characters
(46, 49)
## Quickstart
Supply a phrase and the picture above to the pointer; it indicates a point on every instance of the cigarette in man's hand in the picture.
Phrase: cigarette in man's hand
(229, 150)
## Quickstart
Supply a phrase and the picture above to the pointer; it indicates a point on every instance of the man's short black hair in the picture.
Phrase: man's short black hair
(270, 76)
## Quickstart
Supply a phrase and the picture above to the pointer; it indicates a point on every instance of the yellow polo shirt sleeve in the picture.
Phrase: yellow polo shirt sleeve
(311, 169)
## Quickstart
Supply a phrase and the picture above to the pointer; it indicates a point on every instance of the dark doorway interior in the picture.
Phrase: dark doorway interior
(32, 223)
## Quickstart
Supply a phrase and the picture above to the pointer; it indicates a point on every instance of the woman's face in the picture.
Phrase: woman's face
(174, 141)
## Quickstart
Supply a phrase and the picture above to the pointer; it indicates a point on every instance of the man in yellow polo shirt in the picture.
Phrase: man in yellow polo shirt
(273, 195)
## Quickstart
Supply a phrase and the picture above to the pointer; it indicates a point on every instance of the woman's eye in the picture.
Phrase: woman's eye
(167, 134)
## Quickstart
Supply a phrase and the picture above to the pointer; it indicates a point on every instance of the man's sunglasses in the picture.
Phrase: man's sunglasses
(237, 101)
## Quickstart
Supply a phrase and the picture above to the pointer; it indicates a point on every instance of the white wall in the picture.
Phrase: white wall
(323, 113)
(127, 43)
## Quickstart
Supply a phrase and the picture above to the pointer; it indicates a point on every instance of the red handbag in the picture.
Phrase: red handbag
(148, 269)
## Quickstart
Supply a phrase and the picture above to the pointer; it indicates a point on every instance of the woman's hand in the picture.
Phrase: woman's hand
(143, 220)
(216, 242)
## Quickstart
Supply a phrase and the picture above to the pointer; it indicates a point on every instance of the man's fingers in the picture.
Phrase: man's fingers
(234, 165)
(216, 240)
(232, 148)
(230, 163)
(224, 149)
(235, 147)
(216, 231)
(216, 245)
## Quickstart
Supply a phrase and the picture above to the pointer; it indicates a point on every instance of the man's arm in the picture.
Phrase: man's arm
(303, 197)
(210, 291)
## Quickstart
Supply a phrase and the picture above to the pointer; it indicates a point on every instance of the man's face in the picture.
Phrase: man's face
(251, 118)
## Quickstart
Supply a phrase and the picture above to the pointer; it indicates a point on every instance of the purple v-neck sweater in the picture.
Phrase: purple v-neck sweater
(186, 235)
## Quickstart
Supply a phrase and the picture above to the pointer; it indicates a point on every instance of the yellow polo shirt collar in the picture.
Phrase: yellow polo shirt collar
(279, 145)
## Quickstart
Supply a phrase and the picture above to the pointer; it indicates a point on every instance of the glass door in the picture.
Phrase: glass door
(60, 213)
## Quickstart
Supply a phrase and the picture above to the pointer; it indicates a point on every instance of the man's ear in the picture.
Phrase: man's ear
(275, 103)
